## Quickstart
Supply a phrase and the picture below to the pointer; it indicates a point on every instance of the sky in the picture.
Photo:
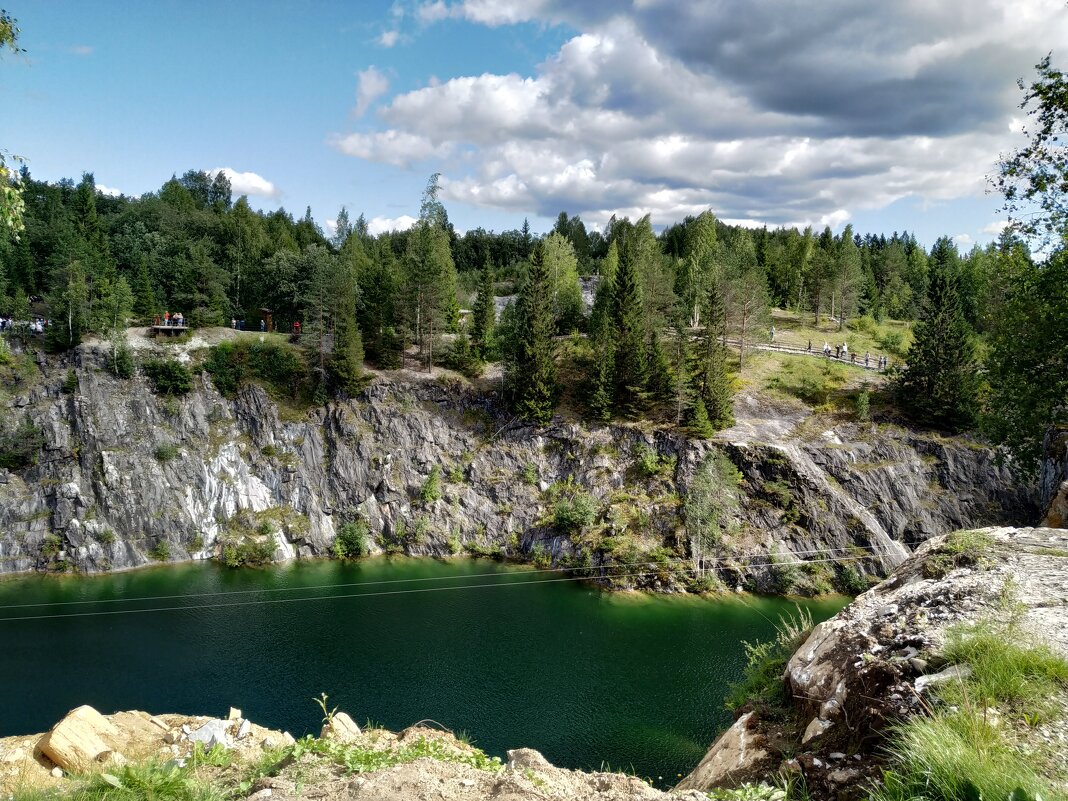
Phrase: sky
(888, 116)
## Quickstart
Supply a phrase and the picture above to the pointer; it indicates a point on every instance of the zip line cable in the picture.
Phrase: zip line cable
(377, 582)
(378, 593)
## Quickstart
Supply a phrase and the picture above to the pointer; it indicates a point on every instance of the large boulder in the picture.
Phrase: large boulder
(78, 740)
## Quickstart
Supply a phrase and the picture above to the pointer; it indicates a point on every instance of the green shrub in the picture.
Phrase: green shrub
(574, 513)
(122, 361)
(540, 556)
(762, 682)
(70, 383)
(145, 782)
(167, 376)
(106, 537)
(166, 452)
(455, 475)
(894, 342)
(20, 445)
(785, 575)
(161, 551)
(431, 489)
(248, 552)
(51, 546)
(281, 367)
(353, 540)
(529, 474)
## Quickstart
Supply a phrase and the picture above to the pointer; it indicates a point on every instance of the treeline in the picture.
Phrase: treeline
(666, 306)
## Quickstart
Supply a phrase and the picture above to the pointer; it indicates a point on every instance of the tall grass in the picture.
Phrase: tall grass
(963, 751)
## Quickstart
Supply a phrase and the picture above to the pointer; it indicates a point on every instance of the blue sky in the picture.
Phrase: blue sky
(887, 117)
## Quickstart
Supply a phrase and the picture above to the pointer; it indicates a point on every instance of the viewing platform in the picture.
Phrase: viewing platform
(167, 330)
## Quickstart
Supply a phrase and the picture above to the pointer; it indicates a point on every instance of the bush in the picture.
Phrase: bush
(431, 490)
(20, 445)
(529, 474)
(70, 383)
(353, 540)
(161, 551)
(762, 682)
(168, 377)
(122, 364)
(893, 341)
(248, 553)
(280, 366)
(574, 513)
(166, 452)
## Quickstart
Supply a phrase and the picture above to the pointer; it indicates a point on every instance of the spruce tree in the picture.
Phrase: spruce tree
(484, 314)
(533, 372)
(939, 385)
(346, 354)
(628, 318)
(699, 424)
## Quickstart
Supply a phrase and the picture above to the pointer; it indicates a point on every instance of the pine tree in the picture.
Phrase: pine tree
(533, 371)
(939, 385)
(484, 315)
(628, 318)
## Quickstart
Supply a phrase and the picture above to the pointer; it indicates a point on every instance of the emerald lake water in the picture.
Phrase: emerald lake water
(589, 678)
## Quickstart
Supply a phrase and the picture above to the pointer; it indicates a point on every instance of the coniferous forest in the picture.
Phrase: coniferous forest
(662, 337)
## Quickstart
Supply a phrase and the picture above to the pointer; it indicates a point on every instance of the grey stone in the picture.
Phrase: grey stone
(211, 733)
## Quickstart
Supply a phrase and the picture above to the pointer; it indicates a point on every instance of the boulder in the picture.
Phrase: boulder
(211, 734)
(77, 741)
(342, 728)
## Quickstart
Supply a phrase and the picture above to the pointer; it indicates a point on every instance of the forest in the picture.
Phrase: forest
(666, 333)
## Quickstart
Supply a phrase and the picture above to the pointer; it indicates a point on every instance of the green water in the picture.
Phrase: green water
(586, 677)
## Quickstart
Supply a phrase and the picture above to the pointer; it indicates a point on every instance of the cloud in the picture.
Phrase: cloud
(963, 241)
(388, 38)
(370, 85)
(108, 190)
(390, 147)
(248, 183)
(782, 114)
(994, 228)
(381, 225)
(81, 50)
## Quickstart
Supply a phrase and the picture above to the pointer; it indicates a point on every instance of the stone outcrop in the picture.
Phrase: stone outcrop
(870, 665)
(1053, 480)
(126, 478)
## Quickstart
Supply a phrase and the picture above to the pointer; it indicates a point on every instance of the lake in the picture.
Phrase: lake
(510, 656)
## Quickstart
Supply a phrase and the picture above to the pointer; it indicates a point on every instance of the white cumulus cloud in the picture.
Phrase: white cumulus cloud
(108, 190)
(388, 38)
(381, 225)
(370, 85)
(248, 183)
(788, 112)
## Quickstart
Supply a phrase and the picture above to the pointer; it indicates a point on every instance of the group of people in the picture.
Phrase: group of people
(32, 326)
(841, 352)
(176, 320)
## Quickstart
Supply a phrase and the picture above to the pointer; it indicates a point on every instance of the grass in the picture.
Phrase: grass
(862, 334)
(963, 751)
(146, 781)
(762, 684)
(359, 758)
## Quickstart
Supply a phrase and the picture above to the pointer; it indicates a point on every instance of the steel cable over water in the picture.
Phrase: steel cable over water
(380, 593)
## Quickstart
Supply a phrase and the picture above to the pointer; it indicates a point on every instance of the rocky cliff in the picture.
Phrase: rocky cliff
(126, 477)
(873, 665)
(1053, 480)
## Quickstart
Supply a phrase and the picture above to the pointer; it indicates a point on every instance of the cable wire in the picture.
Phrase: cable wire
(380, 593)
(378, 582)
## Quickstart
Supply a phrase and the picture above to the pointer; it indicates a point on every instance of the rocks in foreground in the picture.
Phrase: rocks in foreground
(345, 763)
(872, 664)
